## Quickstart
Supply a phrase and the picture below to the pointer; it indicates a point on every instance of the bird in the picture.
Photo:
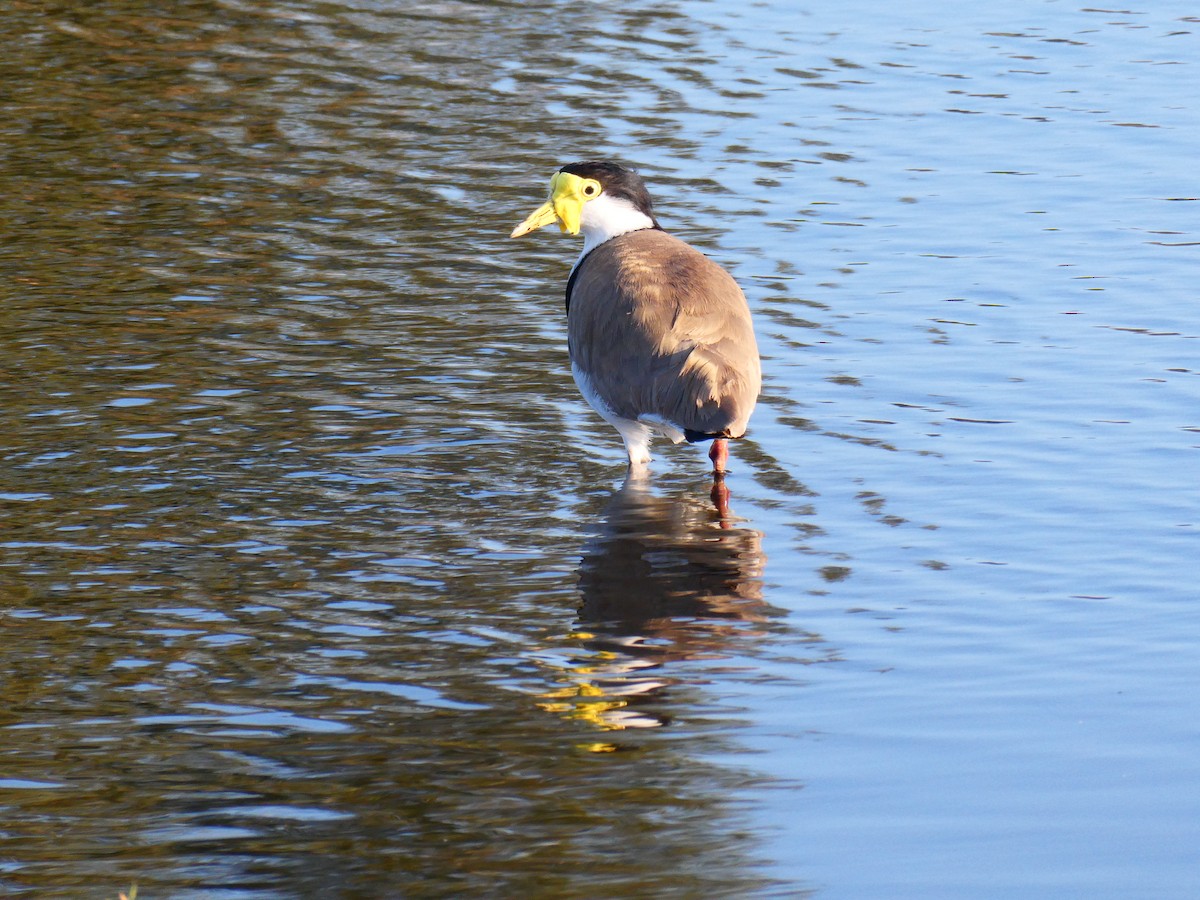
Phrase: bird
(660, 336)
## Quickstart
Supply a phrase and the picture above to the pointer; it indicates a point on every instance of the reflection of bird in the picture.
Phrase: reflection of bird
(659, 335)
(659, 565)
(661, 581)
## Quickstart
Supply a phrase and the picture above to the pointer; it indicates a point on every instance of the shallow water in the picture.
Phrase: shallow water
(320, 578)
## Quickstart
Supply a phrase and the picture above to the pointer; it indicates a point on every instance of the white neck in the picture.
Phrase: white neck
(605, 218)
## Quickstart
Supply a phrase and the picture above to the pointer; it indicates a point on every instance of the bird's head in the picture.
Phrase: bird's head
(601, 198)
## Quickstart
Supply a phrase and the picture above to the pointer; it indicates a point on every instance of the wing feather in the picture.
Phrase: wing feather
(664, 332)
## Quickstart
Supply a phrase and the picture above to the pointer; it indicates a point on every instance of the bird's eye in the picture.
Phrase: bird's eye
(591, 189)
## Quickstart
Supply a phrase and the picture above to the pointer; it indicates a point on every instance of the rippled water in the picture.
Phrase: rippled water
(320, 579)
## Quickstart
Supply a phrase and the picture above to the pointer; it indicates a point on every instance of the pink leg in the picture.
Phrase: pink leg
(719, 454)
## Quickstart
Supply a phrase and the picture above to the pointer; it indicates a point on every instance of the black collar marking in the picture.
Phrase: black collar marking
(575, 274)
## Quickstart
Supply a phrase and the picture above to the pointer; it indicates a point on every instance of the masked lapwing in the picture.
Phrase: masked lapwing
(659, 335)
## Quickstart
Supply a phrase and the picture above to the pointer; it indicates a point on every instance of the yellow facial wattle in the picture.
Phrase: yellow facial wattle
(568, 194)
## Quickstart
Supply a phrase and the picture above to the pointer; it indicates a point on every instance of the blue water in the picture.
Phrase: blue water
(970, 239)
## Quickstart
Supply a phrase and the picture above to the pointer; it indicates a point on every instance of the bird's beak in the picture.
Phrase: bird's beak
(541, 217)
(565, 206)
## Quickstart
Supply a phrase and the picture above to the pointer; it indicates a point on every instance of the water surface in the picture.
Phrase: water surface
(320, 578)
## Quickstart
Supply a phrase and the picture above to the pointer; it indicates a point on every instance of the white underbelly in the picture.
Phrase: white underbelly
(635, 432)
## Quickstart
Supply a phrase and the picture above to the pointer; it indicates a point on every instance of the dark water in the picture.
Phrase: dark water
(319, 579)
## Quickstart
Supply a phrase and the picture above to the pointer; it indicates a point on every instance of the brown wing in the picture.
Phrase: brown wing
(661, 330)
